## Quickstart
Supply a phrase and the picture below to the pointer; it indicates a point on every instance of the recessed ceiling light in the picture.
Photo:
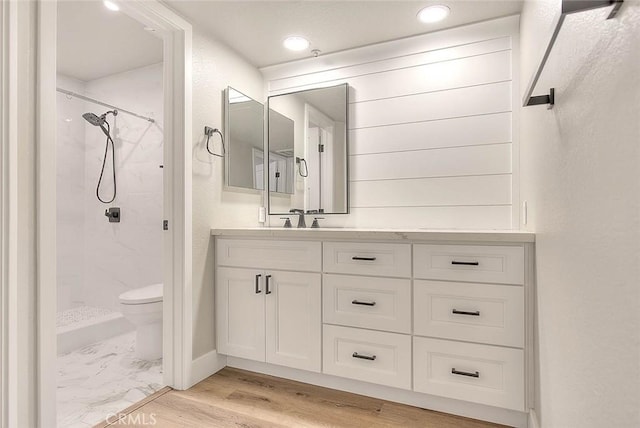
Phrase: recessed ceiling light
(433, 13)
(296, 43)
(111, 5)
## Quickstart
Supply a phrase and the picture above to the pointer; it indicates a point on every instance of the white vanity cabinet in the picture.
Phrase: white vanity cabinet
(268, 315)
(469, 323)
(372, 292)
(441, 320)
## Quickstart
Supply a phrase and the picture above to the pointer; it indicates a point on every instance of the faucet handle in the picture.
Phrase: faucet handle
(315, 224)
(287, 222)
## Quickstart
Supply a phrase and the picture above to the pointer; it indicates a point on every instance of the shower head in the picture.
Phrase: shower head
(98, 120)
(93, 119)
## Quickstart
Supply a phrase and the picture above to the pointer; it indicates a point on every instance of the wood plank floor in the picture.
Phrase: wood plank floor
(238, 398)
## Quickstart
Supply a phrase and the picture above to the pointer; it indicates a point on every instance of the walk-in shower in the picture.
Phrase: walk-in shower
(98, 261)
(94, 252)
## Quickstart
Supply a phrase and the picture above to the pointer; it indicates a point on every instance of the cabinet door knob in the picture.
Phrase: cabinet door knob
(268, 277)
(258, 290)
(367, 259)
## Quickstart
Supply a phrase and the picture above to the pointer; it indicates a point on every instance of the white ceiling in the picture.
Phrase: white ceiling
(255, 29)
(94, 42)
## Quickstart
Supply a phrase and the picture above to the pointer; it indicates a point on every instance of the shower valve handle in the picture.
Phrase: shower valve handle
(113, 214)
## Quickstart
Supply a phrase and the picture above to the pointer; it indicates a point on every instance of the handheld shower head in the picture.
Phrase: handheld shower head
(96, 120)
(93, 119)
(101, 121)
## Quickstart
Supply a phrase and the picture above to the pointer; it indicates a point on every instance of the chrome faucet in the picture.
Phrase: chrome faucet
(301, 223)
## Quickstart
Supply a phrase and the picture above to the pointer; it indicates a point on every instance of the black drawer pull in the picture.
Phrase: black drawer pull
(258, 291)
(366, 259)
(268, 284)
(454, 262)
(358, 302)
(474, 313)
(364, 357)
(457, 372)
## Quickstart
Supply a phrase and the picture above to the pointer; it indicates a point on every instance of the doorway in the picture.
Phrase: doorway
(30, 105)
(109, 203)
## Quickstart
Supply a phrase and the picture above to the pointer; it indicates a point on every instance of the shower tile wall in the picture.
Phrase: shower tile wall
(70, 195)
(126, 255)
(98, 260)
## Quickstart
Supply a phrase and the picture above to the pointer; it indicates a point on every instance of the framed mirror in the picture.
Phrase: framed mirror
(307, 151)
(244, 134)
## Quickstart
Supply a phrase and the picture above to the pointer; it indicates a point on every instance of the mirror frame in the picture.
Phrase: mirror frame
(347, 138)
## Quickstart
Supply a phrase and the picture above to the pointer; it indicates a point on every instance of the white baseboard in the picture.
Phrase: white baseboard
(533, 419)
(456, 407)
(206, 365)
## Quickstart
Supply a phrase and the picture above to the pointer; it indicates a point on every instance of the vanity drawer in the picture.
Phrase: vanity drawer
(266, 254)
(475, 263)
(485, 313)
(368, 258)
(370, 356)
(368, 302)
(482, 374)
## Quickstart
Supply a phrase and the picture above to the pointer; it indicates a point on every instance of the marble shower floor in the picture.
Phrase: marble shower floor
(102, 379)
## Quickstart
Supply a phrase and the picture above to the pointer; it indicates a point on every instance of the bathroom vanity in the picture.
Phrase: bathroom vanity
(437, 319)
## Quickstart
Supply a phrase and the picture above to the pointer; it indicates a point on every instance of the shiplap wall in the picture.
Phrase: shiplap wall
(431, 141)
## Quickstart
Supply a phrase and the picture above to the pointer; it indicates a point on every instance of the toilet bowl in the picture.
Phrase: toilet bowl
(143, 307)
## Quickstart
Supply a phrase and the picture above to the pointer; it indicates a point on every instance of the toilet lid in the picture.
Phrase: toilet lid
(149, 294)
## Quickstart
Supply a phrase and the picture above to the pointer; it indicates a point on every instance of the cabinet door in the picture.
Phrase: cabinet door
(240, 312)
(294, 323)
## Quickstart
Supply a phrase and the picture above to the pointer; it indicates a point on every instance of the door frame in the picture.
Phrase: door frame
(4, 205)
(176, 34)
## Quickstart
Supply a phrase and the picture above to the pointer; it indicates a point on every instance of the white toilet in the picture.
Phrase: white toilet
(143, 307)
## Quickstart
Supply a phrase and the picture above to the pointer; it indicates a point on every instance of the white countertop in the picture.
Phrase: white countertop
(498, 236)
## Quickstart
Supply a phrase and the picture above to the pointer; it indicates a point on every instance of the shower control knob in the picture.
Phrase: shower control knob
(113, 214)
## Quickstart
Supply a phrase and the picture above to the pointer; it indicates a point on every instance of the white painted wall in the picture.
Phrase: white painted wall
(215, 67)
(431, 118)
(580, 164)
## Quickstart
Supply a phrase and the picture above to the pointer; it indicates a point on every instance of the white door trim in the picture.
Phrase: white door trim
(177, 353)
(7, 202)
(46, 286)
(3, 252)
(18, 219)
(177, 36)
